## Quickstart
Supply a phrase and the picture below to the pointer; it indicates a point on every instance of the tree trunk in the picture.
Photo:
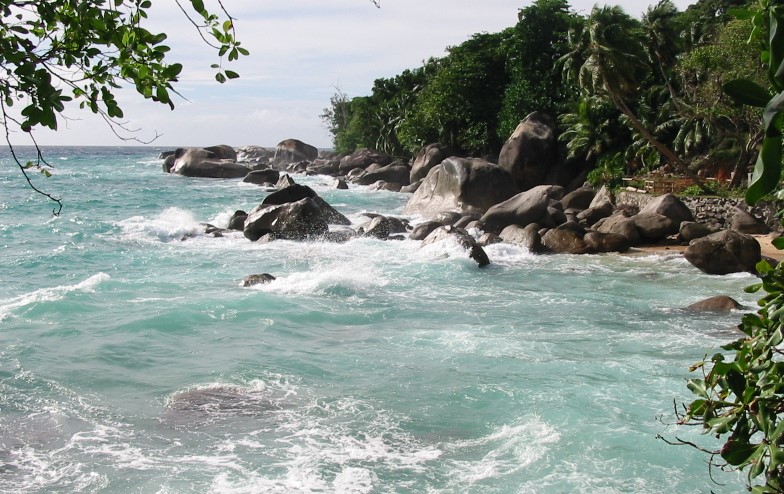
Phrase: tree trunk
(743, 161)
(664, 150)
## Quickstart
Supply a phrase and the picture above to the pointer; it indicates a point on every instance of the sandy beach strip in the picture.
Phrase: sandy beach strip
(765, 241)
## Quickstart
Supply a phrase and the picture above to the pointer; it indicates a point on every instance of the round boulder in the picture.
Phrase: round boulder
(261, 177)
(724, 252)
(743, 222)
(293, 151)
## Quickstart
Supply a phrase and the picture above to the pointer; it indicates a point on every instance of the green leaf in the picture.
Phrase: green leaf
(739, 13)
(231, 74)
(697, 386)
(220, 77)
(746, 92)
(739, 453)
(198, 6)
(721, 425)
(767, 171)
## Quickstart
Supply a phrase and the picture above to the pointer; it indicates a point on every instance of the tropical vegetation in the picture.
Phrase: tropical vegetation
(630, 95)
(739, 396)
(58, 51)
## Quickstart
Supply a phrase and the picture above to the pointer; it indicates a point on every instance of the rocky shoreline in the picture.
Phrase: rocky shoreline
(527, 198)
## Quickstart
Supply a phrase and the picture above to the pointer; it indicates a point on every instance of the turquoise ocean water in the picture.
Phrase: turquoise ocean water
(132, 361)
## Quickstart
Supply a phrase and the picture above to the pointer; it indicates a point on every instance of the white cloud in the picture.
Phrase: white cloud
(299, 51)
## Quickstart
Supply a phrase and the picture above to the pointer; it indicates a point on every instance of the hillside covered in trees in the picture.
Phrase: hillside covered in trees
(630, 95)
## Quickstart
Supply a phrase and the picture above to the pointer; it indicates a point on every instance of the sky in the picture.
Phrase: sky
(301, 52)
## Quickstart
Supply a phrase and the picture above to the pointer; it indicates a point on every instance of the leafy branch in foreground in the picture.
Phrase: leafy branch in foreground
(61, 51)
(743, 400)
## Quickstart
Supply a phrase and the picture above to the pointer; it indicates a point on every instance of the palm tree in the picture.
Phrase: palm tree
(663, 41)
(590, 131)
(608, 60)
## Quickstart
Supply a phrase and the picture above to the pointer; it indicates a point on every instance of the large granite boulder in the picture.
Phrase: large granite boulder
(212, 162)
(579, 198)
(603, 196)
(531, 151)
(261, 177)
(522, 209)
(620, 224)
(691, 230)
(422, 230)
(463, 239)
(724, 252)
(467, 185)
(255, 153)
(427, 158)
(363, 158)
(323, 167)
(237, 220)
(527, 237)
(393, 174)
(564, 241)
(654, 227)
(670, 206)
(379, 227)
(293, 151)
(293, 220)
(743, 222)
(606, 242)
(593, 214)
(297, 192)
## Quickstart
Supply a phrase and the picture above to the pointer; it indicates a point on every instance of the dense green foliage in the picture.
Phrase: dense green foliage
(56, 51)
(638, 92)
(742, 401)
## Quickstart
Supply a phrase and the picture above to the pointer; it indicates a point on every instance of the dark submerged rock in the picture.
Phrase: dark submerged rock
(293, 221)
(261, 177)
(237, 220)
(257, 279)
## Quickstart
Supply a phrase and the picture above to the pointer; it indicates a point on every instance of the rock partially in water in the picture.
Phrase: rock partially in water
(463, 238)
(719, 303)
(724, 252)
(257, 279)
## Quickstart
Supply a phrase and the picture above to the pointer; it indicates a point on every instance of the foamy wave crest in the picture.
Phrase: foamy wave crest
(343, 280)
(504, 452)
(171, 224)
(51, 294)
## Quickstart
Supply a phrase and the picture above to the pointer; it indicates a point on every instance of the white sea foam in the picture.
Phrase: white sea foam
(504, 452)
(51, 294)
(340, 279)
(171, 224)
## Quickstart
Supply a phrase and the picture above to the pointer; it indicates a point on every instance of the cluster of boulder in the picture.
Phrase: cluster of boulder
(527, 198)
